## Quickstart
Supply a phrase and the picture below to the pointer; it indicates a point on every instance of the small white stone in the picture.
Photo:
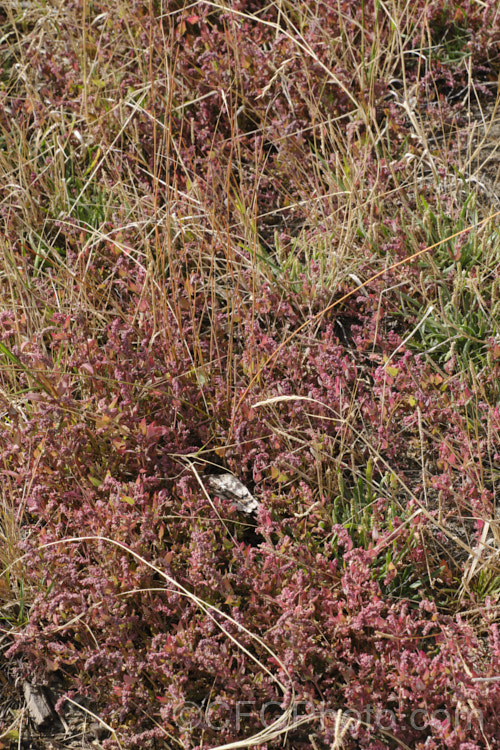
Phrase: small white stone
(229, 487)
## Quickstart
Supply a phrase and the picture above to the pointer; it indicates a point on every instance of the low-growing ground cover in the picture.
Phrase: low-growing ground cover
(259, 238)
